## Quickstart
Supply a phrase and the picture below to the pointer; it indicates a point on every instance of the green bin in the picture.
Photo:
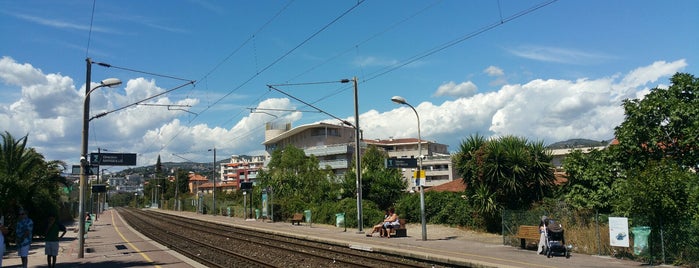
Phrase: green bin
(307, 214)
(340, 219)
(640, 238)
(257, 214)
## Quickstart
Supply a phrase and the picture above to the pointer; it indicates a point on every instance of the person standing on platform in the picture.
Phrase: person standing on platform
(52, 238)
(25, 225)
(3, 232)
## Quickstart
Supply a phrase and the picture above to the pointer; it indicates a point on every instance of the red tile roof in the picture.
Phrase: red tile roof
(452, 186)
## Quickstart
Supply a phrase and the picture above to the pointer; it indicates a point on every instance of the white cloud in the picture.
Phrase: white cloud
(651, 74)
(464, 89)
(374, 61)
(49, 110)
(494, 71)
(550, 110)
(558, 55)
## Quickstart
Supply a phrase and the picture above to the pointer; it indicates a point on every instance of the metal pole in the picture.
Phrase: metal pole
(358, 166)
(422, 182)
(177, 189)
(401, 100)
(214, 178)
(83, 160)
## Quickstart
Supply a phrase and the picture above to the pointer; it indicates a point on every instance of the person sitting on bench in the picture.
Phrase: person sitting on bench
(378, 227)
(391, 222)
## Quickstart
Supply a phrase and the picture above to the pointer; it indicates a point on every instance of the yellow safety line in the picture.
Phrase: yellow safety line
(130, 244)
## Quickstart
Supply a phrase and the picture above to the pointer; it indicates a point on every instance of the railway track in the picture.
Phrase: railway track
(218, 245)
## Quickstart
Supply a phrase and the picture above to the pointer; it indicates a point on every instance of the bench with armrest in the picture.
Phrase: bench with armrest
(296, 219)
(527, 232)
(400, 231)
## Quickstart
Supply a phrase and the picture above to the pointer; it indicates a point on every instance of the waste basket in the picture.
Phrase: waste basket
(307, 214)
(640, 238)
(257, 214)
(228, 210)
(340, 220)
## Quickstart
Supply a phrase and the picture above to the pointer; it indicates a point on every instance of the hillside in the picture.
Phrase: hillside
(575, 143)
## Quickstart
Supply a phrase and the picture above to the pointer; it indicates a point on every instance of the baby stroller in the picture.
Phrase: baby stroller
(555, 240)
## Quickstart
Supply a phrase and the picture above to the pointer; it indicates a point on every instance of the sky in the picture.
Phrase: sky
(197, 73)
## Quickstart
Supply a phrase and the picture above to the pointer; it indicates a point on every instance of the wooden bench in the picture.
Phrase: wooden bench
(296, 219)
(400, 231)
(527, 232)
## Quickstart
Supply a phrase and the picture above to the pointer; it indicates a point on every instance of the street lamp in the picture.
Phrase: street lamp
(401, 100)
(213, 176)
(357, 157)
(360, 221)
(110, 82)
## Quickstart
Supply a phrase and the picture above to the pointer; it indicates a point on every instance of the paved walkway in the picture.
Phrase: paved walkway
(111, 243)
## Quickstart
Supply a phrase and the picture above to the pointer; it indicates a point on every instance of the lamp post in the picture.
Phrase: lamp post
(401, 100)
(213, 176)
(358, 165)
(110, 82)
(357, 157)
(245, 206)
(175, 172)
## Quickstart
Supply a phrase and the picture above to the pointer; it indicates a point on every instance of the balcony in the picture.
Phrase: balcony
(328, 150)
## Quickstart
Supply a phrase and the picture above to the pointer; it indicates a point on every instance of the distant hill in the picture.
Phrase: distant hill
(577, 143)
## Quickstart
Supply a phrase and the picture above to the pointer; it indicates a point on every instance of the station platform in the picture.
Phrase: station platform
(112, 243)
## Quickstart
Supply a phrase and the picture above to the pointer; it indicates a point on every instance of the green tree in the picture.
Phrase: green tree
(659, 149)
(663, 124)
(27, 180)
(384, 186)
(297, 180)
(590, 178)
(507, 172)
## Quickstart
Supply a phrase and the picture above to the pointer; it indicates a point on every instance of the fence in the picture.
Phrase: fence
(588, 233)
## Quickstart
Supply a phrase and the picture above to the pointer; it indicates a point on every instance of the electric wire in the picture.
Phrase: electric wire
(454, 42)
(384, 71)
(283, 56)
(269, 65)
(89, 31)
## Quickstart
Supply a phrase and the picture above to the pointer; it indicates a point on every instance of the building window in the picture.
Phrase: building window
(325, 132)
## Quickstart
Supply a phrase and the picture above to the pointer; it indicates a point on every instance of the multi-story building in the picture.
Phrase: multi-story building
(333, 145)
(436, 162)
(241, 169)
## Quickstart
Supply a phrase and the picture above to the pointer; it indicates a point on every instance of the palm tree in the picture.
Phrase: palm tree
(510, 170)
(26, 179)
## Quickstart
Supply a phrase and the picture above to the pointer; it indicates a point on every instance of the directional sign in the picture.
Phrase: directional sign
(401, 162)
(111, 159)
(99, 188)
(92, 170)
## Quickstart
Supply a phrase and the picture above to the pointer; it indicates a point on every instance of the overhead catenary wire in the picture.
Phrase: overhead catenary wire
(405, 62)
(267, 66)
(454, 42)
(326, 26)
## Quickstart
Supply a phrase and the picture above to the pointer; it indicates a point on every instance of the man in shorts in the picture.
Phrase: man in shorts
(52, 230)
(25, 225)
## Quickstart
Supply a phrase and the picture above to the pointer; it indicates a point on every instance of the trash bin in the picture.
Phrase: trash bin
(307, 214)
(228, 210)
(340, 220)
(257, 214)
(640, 238)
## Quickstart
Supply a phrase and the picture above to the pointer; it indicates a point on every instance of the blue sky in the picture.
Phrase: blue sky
(495, 68)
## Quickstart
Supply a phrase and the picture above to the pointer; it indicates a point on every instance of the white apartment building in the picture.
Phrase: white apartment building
(436, 162)
(333, 145)
(241, 169)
